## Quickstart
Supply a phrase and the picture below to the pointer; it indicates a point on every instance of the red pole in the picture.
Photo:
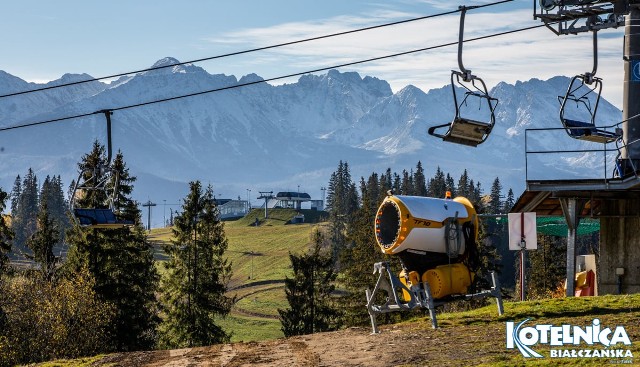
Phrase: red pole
(522, 250)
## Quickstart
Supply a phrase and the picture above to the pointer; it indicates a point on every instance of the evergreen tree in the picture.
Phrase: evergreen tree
(495, 198)
(420, 181)
(438, 184)
(464, 188)
(546, 268)
(397, 184)
(508, 202)
(43, 240)
(407, 184)
(16, 192)
(120, 260)
(26, 209)
(342, 202)
(358, 260)
(197, 274)
(309, 292)
(450, 185)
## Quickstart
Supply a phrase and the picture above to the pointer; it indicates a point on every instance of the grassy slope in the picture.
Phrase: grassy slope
(257, 254)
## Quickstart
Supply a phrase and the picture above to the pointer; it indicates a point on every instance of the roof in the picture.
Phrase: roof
(289, 195)
(543, 197)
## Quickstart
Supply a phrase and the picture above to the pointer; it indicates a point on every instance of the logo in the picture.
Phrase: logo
(635, 70)
(609, 343)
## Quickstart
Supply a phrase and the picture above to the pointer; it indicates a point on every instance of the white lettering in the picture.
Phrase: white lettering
(528, 336)
(584, 334)
(509, 335)
(602, 337)
(566, 334)
(556, 336)
(620, 336)
(628, 354)
(544, 333)
(553, 353)
(596, 329)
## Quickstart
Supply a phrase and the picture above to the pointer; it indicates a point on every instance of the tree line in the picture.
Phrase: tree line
(345, 259)
(107, 295)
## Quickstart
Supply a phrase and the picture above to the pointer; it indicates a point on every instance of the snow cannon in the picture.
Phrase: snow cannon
(426, 232)
(433, 238)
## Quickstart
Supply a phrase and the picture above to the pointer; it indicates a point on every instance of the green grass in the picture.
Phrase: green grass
(264, 302)
(245, 329)
(80, 362)
(257, 254)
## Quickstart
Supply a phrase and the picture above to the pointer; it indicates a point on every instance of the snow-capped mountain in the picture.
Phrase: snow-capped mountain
(266, 137)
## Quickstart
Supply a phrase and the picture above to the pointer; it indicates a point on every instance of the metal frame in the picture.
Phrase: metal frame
(420, 296)
(562, 16)
(586, 130)
(463, 130)
(98, 179)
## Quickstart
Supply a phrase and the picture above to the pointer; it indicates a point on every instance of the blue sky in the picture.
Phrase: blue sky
(43, 39)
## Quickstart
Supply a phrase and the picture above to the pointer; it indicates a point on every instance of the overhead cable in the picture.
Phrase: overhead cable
(239, 85)
(249, 50)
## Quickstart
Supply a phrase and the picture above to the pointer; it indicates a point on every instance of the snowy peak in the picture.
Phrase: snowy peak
(170, 65)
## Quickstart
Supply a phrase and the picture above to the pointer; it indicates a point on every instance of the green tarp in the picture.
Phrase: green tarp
(557, 226)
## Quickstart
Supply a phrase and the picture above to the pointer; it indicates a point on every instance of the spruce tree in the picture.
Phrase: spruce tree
(438, 184)
(358, 260)
(197, 274)
(120, 260)
(16, 192)
(508, 202)
(495, 197)
(309, 292)
(42, 242)
(420, 181)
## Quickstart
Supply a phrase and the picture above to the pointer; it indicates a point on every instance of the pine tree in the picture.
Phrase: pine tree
(464, 188)
(450, 185)
(197, 274)
(309, 292)
(342, 202)
(43, 240)
(358, 260)
(16, 192)
(26, 209)
(495, 202)
(406, 187)
(420, 181)
(508, 202)
(438, 184)
(120, 260)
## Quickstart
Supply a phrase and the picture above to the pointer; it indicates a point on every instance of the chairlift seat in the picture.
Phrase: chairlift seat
(586, 131)
(99, 219)
(464, 131)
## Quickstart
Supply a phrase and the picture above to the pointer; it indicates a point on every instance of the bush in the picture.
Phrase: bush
(49, 320)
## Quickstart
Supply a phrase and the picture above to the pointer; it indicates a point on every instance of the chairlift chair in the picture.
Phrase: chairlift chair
(464, 130)
(97, 179)
(581, 88)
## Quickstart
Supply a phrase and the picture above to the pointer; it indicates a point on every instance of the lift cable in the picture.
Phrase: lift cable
(234, 86)
(236, 53)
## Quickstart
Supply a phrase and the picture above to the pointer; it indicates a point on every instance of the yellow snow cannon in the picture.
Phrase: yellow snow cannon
(425, 229)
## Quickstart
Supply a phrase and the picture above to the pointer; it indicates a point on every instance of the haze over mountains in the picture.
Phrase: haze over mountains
(266, 137)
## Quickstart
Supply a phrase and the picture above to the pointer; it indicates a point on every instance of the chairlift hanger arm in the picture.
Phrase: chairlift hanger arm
(107, 114)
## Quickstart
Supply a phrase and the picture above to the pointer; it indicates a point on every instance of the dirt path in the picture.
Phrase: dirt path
(409, 345)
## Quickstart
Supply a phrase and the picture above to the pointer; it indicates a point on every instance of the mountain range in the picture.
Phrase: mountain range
(285, 137)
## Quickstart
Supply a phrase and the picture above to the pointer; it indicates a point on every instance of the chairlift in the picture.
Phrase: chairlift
(464, 130)
(97, 179)
(585, 91)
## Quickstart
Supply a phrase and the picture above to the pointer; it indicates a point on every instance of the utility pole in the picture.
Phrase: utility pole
(164, 213)
(266, 195)
(148, 205)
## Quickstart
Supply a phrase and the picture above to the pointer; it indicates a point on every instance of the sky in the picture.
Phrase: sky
(42, 40)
